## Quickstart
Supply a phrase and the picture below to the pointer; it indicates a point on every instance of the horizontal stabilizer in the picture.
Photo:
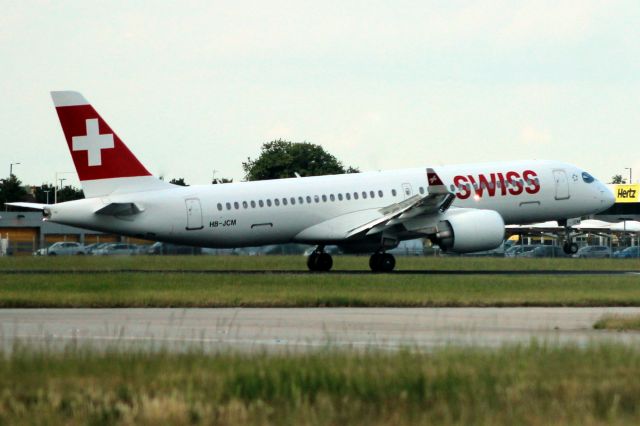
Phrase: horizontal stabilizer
(34, 206)
(120, 209)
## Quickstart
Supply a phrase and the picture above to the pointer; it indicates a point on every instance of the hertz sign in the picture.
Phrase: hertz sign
(627, 193)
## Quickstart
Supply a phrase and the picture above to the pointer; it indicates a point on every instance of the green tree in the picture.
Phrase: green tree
(618, 179)
(179, 182)
(43, 192)
(283, 159)
(11, 190)
(68, 193)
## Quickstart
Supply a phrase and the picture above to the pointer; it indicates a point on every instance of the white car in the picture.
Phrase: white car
(116, 249)
(61, 248)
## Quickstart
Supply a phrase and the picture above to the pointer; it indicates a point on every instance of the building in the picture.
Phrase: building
(23, 233)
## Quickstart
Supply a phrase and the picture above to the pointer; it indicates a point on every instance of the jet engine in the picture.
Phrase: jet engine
(469, 231)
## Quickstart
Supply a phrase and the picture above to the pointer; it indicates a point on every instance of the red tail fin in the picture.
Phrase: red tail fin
(98, 153)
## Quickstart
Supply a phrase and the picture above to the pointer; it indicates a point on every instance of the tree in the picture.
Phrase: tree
(68, 193)
(11, 190)
(44, 193)
(618, 179)
(179, 182)
(283, 159)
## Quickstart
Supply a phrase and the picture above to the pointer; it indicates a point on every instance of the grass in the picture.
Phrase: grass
(299, 263)
(314, 290)
(533, 384)
(618, 323)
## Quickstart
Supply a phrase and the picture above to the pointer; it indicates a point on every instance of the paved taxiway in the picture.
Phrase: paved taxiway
(275, 329)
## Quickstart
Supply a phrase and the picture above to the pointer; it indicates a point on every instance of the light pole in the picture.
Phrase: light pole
(56, 194)
(630, 180)
(47, 192)
(55, 185)
(11, 169)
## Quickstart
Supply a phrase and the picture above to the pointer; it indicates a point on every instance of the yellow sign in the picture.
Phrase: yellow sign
(627, 193)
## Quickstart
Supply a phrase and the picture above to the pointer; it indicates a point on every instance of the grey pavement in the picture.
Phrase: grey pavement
(294, 329)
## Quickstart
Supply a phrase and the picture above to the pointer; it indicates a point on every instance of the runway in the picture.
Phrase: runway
(302, 329)
(304, 272)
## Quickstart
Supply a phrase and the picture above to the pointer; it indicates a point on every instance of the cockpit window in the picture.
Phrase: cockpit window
(587, 177)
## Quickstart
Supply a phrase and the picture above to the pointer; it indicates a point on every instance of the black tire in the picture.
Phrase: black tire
(374, 262)
(324, 262)
(387, 262)
(311, 261)
(53, 253)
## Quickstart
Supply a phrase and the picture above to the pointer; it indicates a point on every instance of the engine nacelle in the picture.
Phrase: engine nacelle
(469, 231)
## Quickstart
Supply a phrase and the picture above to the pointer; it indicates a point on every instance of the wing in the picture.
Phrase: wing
(367, 222)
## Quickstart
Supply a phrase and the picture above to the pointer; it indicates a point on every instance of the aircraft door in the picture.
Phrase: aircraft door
(562, 184)
(194, 214)
(407, 191)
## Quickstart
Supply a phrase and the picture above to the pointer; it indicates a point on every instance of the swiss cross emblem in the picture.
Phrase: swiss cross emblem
(93, 142)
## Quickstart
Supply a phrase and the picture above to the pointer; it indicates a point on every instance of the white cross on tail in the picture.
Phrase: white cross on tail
(93, 142)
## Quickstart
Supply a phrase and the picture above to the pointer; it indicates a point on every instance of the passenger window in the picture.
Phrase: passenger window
(332, 197)
(293, 201)
(268, 202)
(228, 206)
(348, 195)
(284, 201)
(324, 198)
(372, 194)
(236, 205)
(364, 195)
(380, 194)
(219, 206)
(316, 198)
(300, 200)
(393, 192)
(452, 188)
(355, 195)
(421, 189)
(340, 196)
(261, 203)
(253, 204)
(244, 204)
(308, 199)
(276, 201)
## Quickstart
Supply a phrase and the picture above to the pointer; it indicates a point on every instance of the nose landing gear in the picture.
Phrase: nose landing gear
(319, 261)
(382, 262)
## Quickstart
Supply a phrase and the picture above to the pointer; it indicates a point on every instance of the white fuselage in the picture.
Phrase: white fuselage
(278, 211)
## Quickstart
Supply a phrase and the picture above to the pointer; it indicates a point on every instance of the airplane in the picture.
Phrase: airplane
(461, 208)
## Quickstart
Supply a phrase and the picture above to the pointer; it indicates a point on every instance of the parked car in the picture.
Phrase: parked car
(116, 249)
(61, 248)
(167, 248)
(519, 250)
(89, 249)
(545, 251)
(593, 251)
(629, 252)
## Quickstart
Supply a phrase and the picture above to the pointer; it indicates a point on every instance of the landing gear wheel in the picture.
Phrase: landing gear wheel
(570, 248)
(382, 262)
(319, 262)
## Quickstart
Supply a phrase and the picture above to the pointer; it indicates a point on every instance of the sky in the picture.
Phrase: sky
(195, 88)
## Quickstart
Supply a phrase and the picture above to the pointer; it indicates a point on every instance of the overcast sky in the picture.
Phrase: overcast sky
(196, 86)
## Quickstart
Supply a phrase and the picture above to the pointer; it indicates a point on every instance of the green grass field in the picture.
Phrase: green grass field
(535, 385)
(299, 263)
(170, 289)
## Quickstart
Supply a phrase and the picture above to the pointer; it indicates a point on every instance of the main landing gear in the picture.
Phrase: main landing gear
(319, 261)
(570, 248)
(382, 262)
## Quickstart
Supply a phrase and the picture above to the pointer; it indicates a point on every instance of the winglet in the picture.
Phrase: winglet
(436, 186)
